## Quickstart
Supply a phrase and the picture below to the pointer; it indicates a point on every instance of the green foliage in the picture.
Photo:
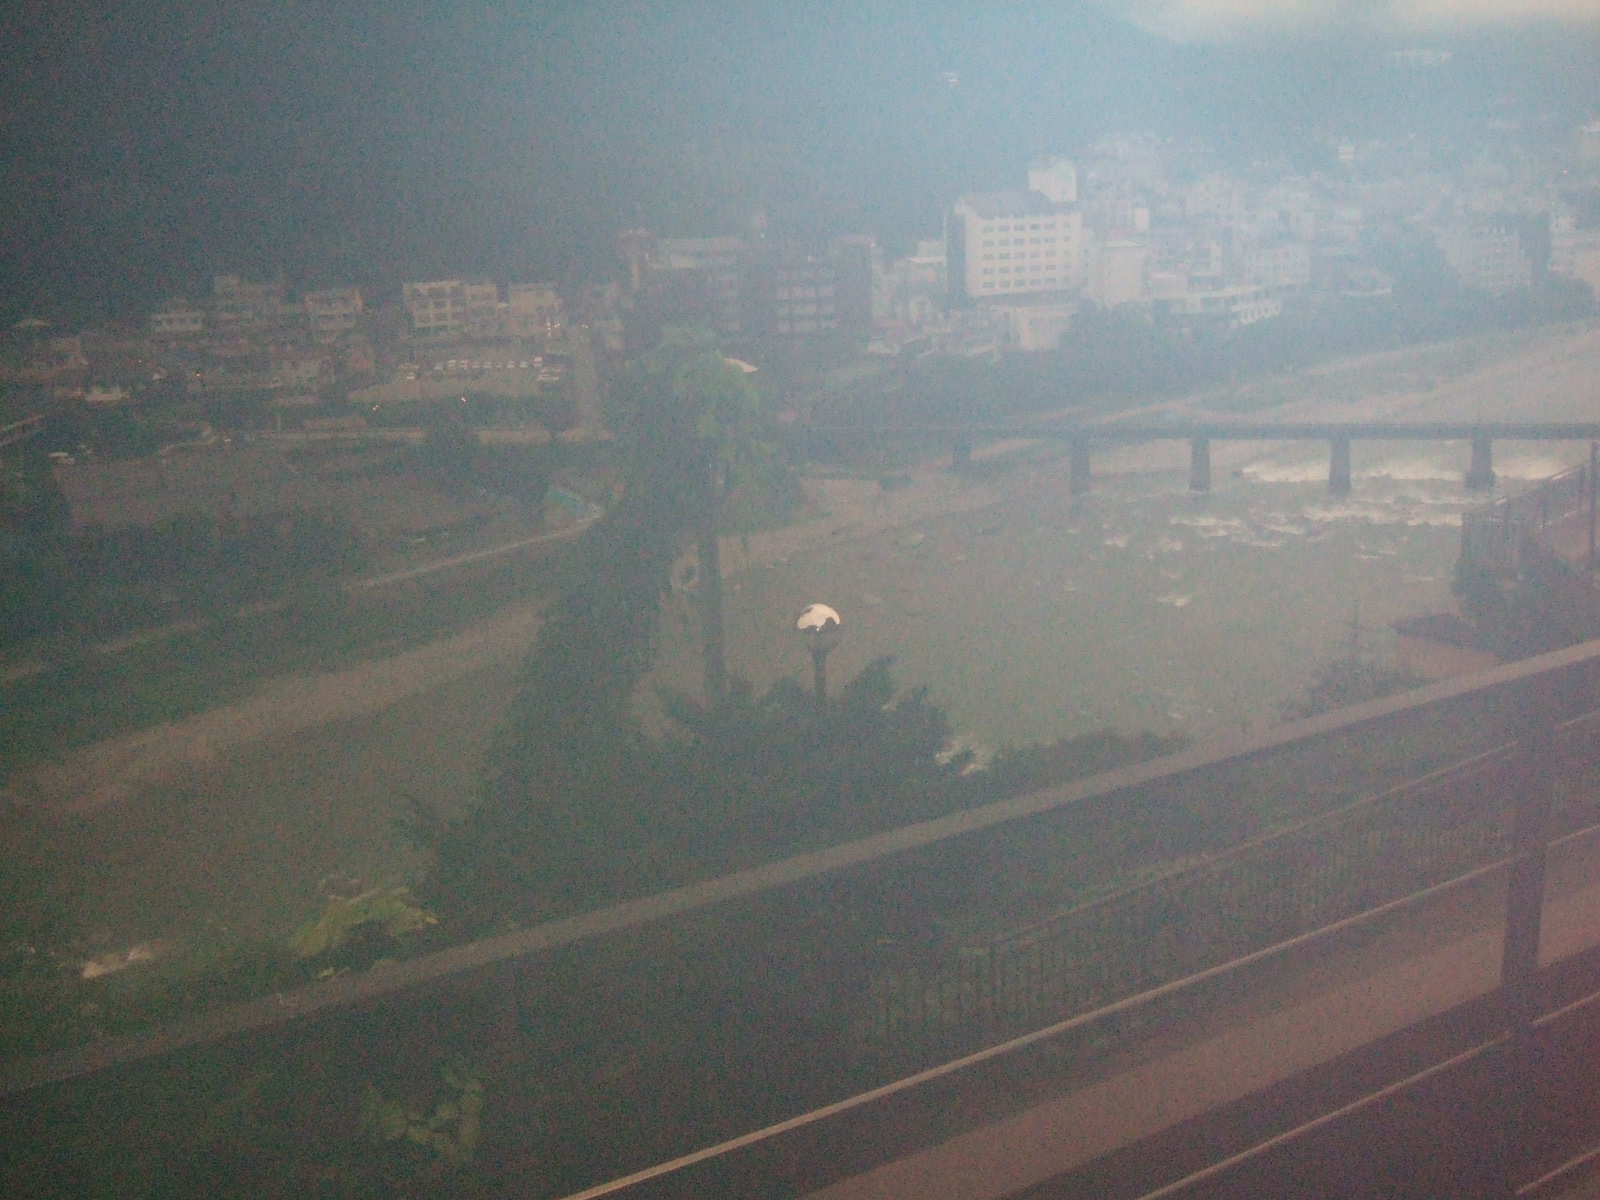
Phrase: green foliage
(558, 779)
(452, 1131)
(751, 779)
(388, 910)
(1031, 768)
(754, 777)
(1352, 678)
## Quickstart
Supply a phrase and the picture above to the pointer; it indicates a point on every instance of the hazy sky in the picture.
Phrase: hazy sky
(145, 144)
(1211, 20)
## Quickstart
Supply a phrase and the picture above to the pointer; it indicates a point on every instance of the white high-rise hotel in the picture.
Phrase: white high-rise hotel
(1015, 243)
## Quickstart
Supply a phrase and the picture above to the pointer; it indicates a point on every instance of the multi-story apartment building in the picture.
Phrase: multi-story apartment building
(1011, 243)
(1116, 272)
(482, 300)
(452, 307)
(1235, 306)
(1491, 260)
(438, 308)
(533, 310)
(718, 264)
(177, 319)
(1019, 243)
(238, 304)
(333, 312)
(1280, 265)
(910, 291)
(805, 297)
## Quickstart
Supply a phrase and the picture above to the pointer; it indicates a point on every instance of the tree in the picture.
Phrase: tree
(731, 440)
(559, 805)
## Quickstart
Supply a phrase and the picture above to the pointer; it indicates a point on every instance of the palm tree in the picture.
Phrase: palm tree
(687, 374)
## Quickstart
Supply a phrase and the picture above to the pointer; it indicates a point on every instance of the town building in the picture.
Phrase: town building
(483, 308)
(1489, 260)
(1282, 265)
(176, 320)
(1056, 179)
(1116, 272)
(533, 310)
(1018, 243)
(437, 308)
(446, 308)
(239, 305)
(909, 294)
(332, 313)
(1031, 327)
(1234, 307)
(710, 270)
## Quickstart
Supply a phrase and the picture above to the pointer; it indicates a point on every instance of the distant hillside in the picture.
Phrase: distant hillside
(144, 147)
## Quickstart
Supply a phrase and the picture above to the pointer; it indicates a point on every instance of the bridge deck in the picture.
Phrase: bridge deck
(1115, 430)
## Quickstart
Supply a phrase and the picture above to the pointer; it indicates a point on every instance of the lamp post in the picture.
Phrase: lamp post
(822, 629)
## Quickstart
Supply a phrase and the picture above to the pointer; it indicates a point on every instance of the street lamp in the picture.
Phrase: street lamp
(821, 628)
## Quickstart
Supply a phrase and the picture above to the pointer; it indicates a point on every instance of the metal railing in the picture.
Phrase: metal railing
(1192, 917)
(637, 1034)
(1503, 536)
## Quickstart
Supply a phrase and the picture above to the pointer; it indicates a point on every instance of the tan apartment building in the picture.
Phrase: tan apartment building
(1021, 242)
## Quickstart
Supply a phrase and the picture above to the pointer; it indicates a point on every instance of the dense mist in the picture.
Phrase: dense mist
(142, 150)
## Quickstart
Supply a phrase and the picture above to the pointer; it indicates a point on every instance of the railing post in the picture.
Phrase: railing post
(1199, 464)
(1594, 469)
(1533, 799)
(1480, 475)
(1078, 468)
(1339, 465)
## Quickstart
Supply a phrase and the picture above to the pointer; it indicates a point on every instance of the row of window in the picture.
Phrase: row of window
(1050, 253)
(1048, 241)
(463, 364)
(1019, 227)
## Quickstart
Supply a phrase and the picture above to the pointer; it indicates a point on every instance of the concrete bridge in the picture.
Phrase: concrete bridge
(1085, 437)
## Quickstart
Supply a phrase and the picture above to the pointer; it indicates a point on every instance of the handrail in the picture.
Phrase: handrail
(1013, 1045)
(352, 990)
(1022, 1042)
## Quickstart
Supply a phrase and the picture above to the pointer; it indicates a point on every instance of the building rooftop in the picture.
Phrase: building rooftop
(1012, 204)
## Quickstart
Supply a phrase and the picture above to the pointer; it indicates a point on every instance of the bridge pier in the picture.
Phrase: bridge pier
(1339, 466)
(1199, 464)
(1078, 469)
(1480, 475)
(960, 456)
